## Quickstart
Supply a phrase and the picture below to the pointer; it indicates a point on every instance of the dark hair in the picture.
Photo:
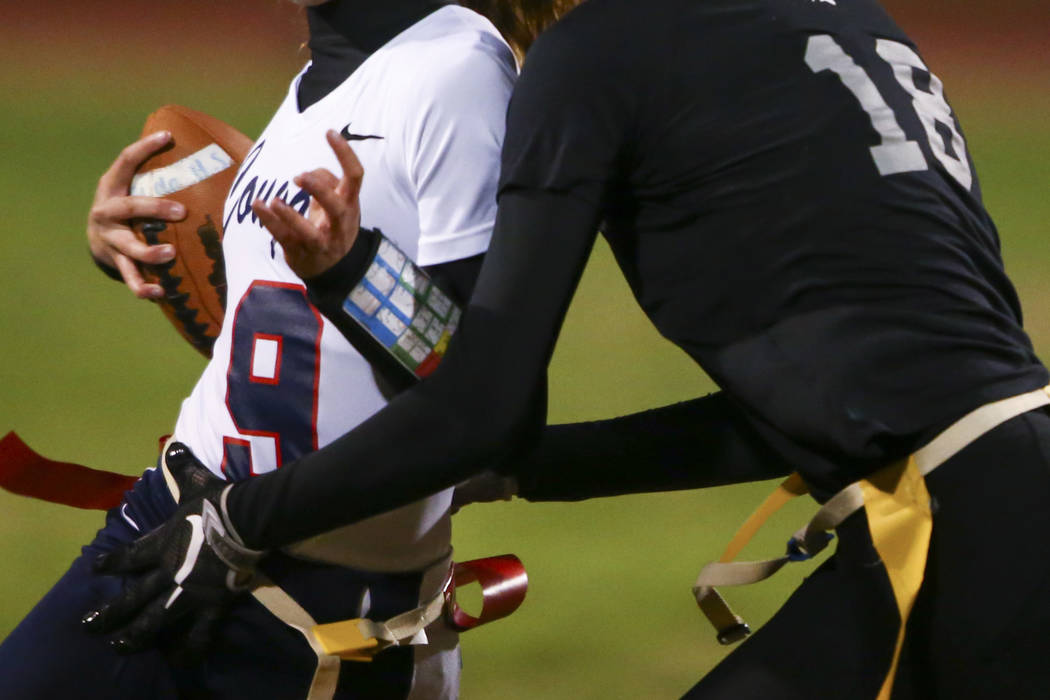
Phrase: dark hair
(521, 21)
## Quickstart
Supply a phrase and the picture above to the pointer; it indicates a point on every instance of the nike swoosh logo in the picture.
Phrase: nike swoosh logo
(124, 513)
(345, 133)
(193, 549)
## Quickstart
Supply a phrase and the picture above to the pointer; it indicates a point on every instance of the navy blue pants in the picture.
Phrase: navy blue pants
(979, 627)
(253, 655)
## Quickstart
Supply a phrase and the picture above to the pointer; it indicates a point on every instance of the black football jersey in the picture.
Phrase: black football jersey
(789, 195)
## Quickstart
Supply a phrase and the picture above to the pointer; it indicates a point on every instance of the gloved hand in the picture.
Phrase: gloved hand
(484, 487)
(182, 574)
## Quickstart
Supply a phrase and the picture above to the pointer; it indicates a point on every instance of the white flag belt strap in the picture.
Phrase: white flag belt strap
(503, 584)
(815, 535)
(406, 628)
(975, 424)
(361, 639)
(285, 609)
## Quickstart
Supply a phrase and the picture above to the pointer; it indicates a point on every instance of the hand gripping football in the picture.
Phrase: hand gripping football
(196, 170)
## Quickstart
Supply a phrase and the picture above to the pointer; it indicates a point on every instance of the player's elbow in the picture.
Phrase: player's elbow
(496, 423)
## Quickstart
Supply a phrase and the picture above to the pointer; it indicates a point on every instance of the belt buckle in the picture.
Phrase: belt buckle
(734, 634)
(345, 640)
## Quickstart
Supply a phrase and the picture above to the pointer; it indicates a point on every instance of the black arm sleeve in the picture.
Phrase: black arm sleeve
(477, 407)
(694, 444)
(457, 277)
(452, 281)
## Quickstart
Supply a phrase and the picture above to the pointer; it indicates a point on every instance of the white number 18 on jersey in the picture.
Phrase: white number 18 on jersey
(896, 153)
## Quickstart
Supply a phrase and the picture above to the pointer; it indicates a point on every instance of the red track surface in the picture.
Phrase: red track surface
(980, 35)
(993, 53)
(69, 37)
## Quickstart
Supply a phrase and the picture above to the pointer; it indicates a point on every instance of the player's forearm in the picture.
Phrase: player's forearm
(413, 448)
(398, 316)
(694, 444)
(457, 277)
(428, 438)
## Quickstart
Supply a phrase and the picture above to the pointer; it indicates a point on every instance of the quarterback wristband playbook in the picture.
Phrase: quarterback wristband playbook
(388, 308)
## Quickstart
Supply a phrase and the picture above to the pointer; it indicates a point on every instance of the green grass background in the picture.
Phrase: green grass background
(89, 374)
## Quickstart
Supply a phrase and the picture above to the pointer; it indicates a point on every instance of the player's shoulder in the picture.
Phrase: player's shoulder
(599, 37)
(638, 29)
(450, 45)
(597, 47)
(586, 26)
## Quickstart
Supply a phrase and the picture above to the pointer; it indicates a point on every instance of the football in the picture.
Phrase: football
(196, 169)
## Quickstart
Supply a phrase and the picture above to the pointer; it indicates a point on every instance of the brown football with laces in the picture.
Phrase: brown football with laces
(196, 170)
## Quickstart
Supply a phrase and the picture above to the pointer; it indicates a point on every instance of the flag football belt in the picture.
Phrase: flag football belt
(899, 520)
(503, 584)
(503, 579)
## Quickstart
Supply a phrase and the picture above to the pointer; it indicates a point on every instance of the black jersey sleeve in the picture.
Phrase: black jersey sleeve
(693, 444)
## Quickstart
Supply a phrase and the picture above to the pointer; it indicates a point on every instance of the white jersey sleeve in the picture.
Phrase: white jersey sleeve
(462, 127)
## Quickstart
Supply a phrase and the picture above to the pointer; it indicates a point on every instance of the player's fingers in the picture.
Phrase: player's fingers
(126, 243)
(117, 178)
(119, 209)
(323, 177)
(325, 194)
(134, 280)
(288, 237)
(308, 235)
(353, 171)
(271, 223)
(143, 628)
(198, 638)
(143, 553)
(138, 592)
(191, 476)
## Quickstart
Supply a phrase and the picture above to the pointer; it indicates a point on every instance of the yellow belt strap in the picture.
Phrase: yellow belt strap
(361, 639)
(900, 522)
(730, 626)
(790, 488)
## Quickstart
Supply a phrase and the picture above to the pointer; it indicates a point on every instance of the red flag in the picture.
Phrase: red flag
(503, 585)
(24, 472)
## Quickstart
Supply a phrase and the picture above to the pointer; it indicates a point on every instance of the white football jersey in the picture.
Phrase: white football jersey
(425, 115)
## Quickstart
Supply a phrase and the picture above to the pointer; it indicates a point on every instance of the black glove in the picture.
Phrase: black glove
(184, 573)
